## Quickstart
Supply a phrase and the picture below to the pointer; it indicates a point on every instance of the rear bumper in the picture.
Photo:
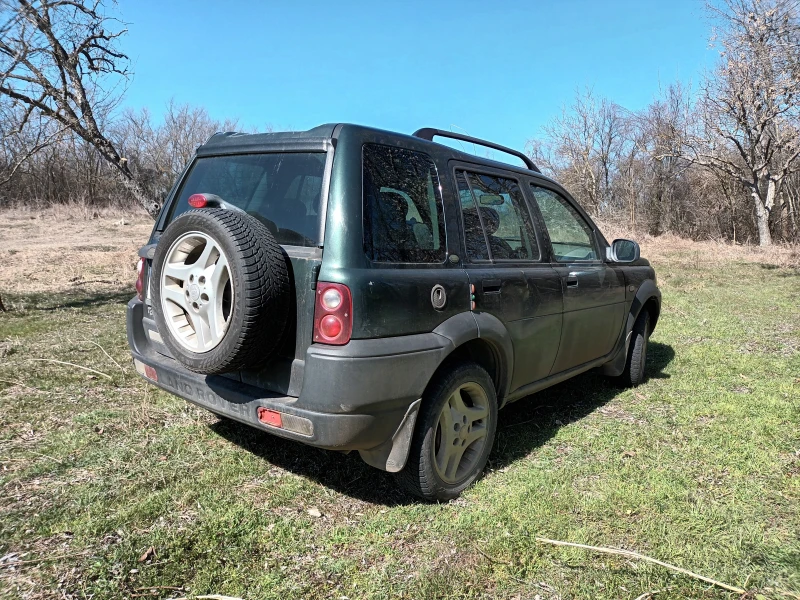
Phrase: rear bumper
(353, 397)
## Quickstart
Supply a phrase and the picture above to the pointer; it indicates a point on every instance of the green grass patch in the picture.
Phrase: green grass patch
(113, 489)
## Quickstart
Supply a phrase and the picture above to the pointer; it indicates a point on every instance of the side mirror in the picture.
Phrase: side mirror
(491, 200)
(623, 251)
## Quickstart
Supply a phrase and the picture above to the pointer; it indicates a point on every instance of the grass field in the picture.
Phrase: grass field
(113, 489)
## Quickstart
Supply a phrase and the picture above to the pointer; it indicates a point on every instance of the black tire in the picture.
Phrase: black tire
(259, 281)
(633, 375)
(421, 476)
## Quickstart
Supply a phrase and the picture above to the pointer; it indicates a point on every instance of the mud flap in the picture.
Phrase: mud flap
(616, 366)
(392, 454)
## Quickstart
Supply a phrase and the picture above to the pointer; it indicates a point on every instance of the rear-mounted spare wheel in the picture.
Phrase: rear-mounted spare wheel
(220, 289)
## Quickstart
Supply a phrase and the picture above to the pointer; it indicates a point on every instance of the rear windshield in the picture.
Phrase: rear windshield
(282, 190)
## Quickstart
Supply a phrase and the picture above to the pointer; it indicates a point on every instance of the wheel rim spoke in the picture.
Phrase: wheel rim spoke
(179, 271)
(446, 418)
(212, 316)
(174, 294)
(454, 461)
(477, 433)
(219, 274)
(456, 402)
(209, 255)
(461, 429)
(201, 332)
(476, 413)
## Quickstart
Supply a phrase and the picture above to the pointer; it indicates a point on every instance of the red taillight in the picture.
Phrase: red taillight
(140, 279)
(197, 201)
(333, 314)
(330, 327)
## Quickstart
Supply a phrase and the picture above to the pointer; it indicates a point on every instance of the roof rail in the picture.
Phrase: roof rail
(428, 133)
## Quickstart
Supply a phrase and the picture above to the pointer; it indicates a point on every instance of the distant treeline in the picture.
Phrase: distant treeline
(645, 171)
(721, 161)
(69, 169)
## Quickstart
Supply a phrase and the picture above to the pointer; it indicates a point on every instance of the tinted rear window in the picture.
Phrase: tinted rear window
(282, 190)
(403, 220)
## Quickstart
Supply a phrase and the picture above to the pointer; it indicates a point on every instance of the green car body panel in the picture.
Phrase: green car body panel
(529, 323)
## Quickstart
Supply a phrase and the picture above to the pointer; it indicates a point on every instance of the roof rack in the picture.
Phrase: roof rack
(428, 133)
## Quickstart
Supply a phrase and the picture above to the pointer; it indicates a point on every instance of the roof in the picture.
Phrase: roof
(319, 138)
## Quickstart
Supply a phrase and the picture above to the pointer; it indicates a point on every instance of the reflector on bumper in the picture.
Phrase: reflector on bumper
(145, 370)
(270, 417)
(293, 423)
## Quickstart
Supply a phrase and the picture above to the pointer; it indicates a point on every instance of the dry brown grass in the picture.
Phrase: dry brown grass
(704, 253)
(64, 248)
(697, 467)
(75, 247)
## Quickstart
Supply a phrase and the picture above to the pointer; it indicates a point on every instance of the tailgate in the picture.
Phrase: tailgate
(284, 373)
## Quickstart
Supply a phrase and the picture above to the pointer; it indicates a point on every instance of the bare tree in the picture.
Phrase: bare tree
(750, 106)
(21, 138)
(158, 153)
(56, 56)
(582, 146)
(664, 125)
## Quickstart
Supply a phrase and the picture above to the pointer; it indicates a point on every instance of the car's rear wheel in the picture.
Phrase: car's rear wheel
(633, 375)
(220, 290)
(454, 434)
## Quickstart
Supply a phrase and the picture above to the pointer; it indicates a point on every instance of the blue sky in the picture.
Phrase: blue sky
(494, 69)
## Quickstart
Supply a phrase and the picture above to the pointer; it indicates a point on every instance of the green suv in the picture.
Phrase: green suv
(357, 289)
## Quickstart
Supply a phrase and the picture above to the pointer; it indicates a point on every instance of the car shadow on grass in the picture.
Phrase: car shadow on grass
(523, 426)
(532, 421)
(344, 473)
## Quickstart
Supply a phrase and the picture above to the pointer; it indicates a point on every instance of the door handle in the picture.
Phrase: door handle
(572, 280)
(491, 286)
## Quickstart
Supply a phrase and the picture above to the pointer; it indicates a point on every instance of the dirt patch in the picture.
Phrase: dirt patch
(617, 413)
(54, 250)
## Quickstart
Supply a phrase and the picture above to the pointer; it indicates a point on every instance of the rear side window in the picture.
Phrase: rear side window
(403, 216)
(497, 224)
(477, 246)
(282, 190)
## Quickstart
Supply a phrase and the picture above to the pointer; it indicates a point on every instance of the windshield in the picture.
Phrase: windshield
(282, 190)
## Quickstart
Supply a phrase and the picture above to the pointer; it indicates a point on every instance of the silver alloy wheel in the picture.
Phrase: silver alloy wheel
(461, 432)
(196, 292)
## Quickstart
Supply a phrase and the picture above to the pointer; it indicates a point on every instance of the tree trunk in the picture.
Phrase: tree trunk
(762, 220)
(792, 206)
(151, 206)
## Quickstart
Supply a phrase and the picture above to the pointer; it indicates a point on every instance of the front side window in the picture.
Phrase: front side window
(282, 190)
(570, 235)
(403, 215)
(497, 225)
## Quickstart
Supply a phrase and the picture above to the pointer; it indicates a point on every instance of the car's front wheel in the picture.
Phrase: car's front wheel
(633, 374)
(454, 433)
